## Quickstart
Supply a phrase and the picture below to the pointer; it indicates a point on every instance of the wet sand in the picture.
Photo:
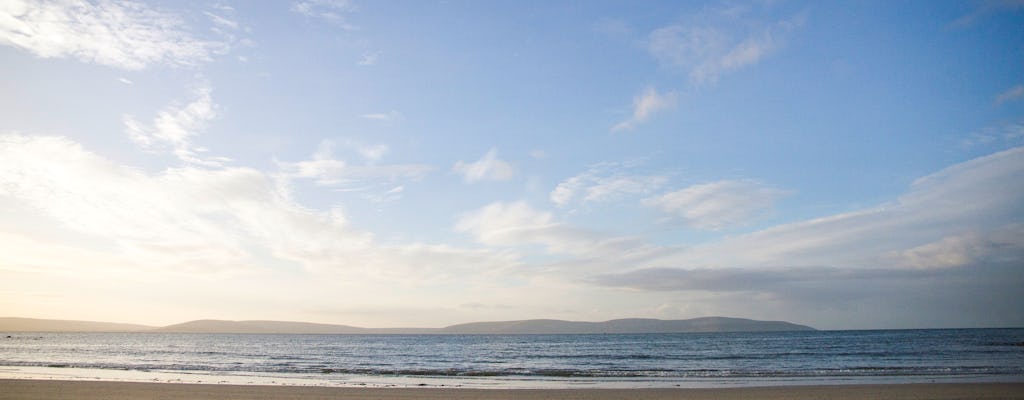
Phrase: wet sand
(86, 390)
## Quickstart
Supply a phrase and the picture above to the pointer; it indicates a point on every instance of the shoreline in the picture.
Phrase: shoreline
(89, 390)
(357, 381)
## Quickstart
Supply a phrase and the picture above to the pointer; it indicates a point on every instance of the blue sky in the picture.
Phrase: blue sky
(838, 164)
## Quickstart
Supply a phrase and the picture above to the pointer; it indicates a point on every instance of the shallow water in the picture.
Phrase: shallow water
(650, 360)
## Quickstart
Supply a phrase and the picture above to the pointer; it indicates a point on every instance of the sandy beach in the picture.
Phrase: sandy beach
(78, 390)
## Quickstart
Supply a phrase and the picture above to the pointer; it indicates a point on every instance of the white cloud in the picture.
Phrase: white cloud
(222, 21)
(175, 127)
(125, 81)
(489, 168)
(716, 42)
(373, 152)
(1010, 94)
(965, 249)
(604, 182)
(980, 196)
(333, 11)
(388, 116)
(517, 224)
(985, 9)
(718, 205)
(119, 34)
(368, 59)
(953, 235)
(194, 221)
(327, 170)
(1008, 134)
(645, 105)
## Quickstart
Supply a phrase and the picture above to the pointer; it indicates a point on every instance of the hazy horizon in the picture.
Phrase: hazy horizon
(842, 165)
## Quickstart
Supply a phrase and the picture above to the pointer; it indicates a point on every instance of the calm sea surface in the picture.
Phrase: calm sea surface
(523, 360)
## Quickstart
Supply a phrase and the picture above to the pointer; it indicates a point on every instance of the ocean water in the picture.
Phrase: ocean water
(646, 360)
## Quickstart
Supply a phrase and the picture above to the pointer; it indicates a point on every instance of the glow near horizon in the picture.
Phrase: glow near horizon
(416, 164)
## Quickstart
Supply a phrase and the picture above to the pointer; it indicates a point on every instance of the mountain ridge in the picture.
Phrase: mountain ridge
(17, 324)
(529, 326)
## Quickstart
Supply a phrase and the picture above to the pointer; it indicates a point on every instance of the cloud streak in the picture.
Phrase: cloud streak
(718, 41)
(604, 182)
(333, 11)
(175, 127)
(718, 205)
(518, 224)
(645, 105)
(120, 34)
(487, 168)
(325, 169)
(950, 218)
(1010, 94)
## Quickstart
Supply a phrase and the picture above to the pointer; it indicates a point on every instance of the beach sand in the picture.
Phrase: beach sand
(85, 390)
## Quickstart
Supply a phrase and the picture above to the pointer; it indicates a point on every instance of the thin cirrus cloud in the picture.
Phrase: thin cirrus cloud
(518, 224)
(140, 37)
(952, 218)
(389, 116)
(1010, 94)
(718, 41)
(333, 11)
(645, 105)
(487, 168)
(985, 9)
(368, 59)
(174, 128)
(604, 182)
(1008, 134)
(325, 169)
(718, 205)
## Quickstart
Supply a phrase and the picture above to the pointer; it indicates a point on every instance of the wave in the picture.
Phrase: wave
(281, 368)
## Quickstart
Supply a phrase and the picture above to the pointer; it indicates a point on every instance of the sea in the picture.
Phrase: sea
(523, 361)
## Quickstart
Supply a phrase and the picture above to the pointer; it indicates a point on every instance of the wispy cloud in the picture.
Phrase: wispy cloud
(1010, 94)
(604, 182)
(333, 11)
(1009, 134)
(718, 41)
(985, 8)
(325, 169)
(518, 224)
(977, 197)
(953, 234)
(119, 34)
(175, 127)
(196, 221)
(389, 116)
(368, 59)
(718, 205)
(222, 21)
(645, 105)
(487, 168)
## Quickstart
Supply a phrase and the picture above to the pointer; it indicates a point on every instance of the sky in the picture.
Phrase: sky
(845, 165)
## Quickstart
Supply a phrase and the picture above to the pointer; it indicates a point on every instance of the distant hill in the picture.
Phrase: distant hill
(532, 326)
(10, 324)
(219, 326)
